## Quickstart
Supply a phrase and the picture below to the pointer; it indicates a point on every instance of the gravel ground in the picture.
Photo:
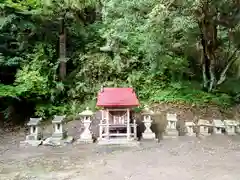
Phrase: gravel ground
(184, 158)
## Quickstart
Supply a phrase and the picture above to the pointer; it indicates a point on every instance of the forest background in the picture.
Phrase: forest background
(56, 55)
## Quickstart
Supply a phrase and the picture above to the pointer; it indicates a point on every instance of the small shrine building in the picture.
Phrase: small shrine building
(116, 122)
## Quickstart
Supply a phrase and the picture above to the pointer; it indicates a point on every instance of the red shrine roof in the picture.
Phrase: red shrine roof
(117, 97)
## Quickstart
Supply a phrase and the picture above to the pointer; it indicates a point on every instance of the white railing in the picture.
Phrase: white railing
(104, 129)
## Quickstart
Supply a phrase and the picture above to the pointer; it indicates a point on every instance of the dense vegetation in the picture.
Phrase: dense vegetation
(55, 55)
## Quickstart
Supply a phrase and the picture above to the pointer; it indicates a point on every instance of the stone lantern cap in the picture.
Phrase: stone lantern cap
(203, 122)
(86, 112)
(172, 117)
(218, 123)
(228, 122)
(189, 123)
(58, 119)
(147, 111)
(34, 121)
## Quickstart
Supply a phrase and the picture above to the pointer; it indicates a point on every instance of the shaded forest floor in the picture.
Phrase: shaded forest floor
(188, 112)
(185, 112)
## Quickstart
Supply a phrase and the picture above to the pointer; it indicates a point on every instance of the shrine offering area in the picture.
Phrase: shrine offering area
(183, 158)
(111, 145)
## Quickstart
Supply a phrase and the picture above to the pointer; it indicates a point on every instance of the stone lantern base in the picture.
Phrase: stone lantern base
(171, 133)
(148, 135)
(85, 137)
(59, 136)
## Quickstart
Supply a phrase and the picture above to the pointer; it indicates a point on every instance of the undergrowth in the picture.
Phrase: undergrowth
(187, 93)
(177, 93)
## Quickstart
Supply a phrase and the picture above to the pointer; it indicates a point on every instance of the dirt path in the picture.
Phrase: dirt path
(215, 157)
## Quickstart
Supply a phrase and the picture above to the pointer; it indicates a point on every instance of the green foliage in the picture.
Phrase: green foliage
(34, 77)
(185, 93)
(153, 46)
(47, 110)
(7, 90)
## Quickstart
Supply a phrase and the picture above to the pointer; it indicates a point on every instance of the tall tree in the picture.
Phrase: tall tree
(62, 10)
(219, 25)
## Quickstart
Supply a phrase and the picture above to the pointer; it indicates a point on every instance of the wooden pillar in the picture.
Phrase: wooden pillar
(128, 125)
(100, 126)
(135, 129)
(107, 121)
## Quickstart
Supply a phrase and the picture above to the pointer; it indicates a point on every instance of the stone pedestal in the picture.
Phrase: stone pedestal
(171, 129)
(189, 126)
(230, 127)
(147, 134)
(35, 137)
(59, 136)
(218, 126)
(86, 135)
(203, 127)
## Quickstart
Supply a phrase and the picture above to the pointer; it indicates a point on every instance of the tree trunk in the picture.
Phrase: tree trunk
(209, 45)
(204, 58)
(231, 60)
(212, 83)
(62, 50)
(207, 16)
(204, 72)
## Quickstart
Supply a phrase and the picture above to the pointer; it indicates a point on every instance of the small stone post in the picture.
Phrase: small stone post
(230, 127)
(86, 135)
(171, 129)
(218, 126)
(35, 136)
(189, 126)
(147, 134)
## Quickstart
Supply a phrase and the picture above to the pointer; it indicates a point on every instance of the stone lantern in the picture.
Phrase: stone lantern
(59, 136)
(58, 128)
(86, 135)
(218, 126)
(230, 126)
(35, 136)
(203, 127)
(171, 129)
(147, 134)
(35, 130)
(189, 126)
